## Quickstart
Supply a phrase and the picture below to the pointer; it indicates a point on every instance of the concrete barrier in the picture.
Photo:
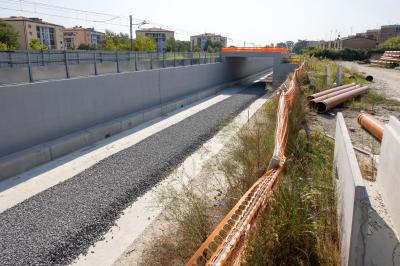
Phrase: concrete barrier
(388, 177)
(28, 158)
(352, 199)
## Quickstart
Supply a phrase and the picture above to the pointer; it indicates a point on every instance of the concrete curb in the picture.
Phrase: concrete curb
(352, 198)
(388, 169)
(24, 160)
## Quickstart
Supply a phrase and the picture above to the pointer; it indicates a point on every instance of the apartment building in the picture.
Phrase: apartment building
(49, 34)
(74, 37)
(201, 40)
(159, 35)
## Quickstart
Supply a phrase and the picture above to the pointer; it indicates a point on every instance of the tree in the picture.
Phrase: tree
(36, 45)
(3, 46)
(290, 45)
(170, 45)
(113, 41)
(392, 43)
(8, 35)
(182, 46)
(281, 45)
(84, 46)
(145, 44)
(196, 49)
(299, 45)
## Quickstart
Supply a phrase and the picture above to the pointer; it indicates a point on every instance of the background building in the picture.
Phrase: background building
(159, 35)
(355, 42)
(201, 40)
(74, 37)
(389, 31)
(49, 34)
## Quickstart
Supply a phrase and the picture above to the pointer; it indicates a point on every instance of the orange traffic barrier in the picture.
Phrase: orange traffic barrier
(254, 50)
(226, 241)
(370, 123)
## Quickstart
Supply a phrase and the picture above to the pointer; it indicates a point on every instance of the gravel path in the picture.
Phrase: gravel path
(55, 226)
(387, 80)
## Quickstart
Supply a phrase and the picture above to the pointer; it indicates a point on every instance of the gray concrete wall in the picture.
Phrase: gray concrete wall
(352, 198)
(388, 177)
(31, 114)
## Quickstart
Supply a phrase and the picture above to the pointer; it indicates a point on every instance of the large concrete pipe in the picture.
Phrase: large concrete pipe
(319, 94)
(329, 95)
(329, 103)
(371, 124)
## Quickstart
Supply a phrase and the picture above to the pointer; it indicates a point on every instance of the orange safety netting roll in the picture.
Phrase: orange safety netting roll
(228, 238)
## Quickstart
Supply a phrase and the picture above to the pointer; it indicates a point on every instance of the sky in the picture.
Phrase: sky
(250, 22)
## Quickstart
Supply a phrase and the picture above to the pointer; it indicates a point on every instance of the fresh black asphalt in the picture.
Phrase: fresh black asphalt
(58, 224)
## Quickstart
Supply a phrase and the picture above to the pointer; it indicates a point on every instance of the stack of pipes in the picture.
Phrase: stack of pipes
(327, 99)
(389, 59)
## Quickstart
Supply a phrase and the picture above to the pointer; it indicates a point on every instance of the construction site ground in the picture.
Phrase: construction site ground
(367, 147)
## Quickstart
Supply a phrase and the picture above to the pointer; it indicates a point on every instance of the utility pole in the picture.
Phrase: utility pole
(130, 31)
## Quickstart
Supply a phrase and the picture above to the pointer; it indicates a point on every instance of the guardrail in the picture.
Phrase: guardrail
(31, 59)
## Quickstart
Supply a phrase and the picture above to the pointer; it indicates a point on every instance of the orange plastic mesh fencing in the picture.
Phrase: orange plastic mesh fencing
(227, 240)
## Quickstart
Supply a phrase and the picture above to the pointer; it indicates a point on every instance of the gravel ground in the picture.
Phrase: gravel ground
(387, 80)
(55, 226)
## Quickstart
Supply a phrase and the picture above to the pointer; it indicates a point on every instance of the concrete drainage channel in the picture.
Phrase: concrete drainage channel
(57, 225)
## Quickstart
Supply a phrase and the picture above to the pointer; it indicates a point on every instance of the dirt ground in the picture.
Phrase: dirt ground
(367, 147)
(386, 80)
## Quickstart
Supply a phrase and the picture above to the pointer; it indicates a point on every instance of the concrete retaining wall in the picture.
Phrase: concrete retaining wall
(36, 113)
(352, 198)
(388, 177)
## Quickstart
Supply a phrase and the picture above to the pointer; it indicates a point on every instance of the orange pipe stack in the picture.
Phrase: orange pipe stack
(370, 123)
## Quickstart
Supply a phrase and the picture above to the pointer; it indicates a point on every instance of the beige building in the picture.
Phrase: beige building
(355, 42)
(389, 31)
(49, 34)
(74, 37)
(201, 40)
(159, 35)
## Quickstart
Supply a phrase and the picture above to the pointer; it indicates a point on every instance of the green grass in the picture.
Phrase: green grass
(299, 226)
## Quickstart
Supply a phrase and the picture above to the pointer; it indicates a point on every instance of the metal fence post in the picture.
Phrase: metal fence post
(174, 59)
(66, 63)
(151, 60)
(136, 61)
(339, 75)
(164, 59)
(42, 52)
(28, 56)
(116, 57)
(191, 59)
(10, 59)
(95, 63)
(77, 57)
